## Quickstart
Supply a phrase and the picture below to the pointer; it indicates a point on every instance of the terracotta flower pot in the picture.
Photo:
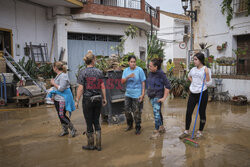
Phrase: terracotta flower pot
(219, 47)
(210, 59)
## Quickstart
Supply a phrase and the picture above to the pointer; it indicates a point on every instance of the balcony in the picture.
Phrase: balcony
(136, 12)
(132, 4)
(53, 3)
(228, 71)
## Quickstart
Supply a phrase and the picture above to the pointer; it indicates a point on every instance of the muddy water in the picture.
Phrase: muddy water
(28, 137)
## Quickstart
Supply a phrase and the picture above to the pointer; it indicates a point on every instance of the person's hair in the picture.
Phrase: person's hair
(60, 66)
(89, 57)
(157, 62)
(131, 57)
(200, 56)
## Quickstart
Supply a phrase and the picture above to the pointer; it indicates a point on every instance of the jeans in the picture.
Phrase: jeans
(157, 112)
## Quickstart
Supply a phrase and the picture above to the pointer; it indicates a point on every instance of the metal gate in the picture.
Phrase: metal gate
(80, 44)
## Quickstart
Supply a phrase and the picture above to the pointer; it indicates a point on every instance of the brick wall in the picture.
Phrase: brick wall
(98, 9)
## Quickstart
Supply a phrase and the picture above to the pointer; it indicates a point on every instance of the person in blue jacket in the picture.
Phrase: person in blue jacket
(158, 88)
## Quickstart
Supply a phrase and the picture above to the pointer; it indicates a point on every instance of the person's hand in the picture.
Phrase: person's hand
(161, 100)
(76, 104)
(131, 76)
(206, 70)
(52, 82)
(141, 98)
(104, 102)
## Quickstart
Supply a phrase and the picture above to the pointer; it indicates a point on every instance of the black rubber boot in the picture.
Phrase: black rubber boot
(138, 129)
(90, 145)
(130, 126)
(72, 130)
(98, 140)
(64, 130)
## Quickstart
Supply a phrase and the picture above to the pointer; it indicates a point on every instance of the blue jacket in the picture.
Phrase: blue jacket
(67, 95)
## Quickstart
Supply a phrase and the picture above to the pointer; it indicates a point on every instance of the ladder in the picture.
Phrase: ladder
(17, 69)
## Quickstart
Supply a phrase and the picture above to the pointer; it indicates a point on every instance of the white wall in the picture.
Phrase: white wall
(212, 29)
(80, 26)
(176, 29)
(237, 87)
(178, 52)
(27, 22)
(167, 26)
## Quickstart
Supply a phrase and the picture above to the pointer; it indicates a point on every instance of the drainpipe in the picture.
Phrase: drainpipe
(151, 22)
(191, 33)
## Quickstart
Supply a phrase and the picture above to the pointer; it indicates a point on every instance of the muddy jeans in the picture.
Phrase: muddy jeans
(91, 112)
(157, 112)
(192, 101)
(61, 112)
(132, 105)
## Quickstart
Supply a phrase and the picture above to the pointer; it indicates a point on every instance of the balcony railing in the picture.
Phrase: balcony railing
(149, 9)
(240, 6)
(223, 69)
(132, 4)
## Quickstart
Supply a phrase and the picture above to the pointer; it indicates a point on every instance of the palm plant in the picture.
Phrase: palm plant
(155, 48)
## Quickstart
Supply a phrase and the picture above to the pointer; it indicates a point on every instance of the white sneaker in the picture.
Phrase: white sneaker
(199, 134)
(155, 134)
(185, 134)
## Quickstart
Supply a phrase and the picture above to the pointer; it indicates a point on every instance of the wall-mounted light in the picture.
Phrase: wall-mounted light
(191, 13)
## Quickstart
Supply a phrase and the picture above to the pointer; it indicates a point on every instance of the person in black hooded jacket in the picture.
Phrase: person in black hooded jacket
(158, 88)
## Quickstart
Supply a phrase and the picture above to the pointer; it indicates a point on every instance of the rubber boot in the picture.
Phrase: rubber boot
(90, 145)
(138, 129)
(72, 130)
(64, 130)
(130, 125)
(98, 140)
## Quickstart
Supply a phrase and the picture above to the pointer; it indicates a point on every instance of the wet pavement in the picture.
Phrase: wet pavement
(28, 137)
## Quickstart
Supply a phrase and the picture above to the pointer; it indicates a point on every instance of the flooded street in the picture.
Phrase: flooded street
(28, 137)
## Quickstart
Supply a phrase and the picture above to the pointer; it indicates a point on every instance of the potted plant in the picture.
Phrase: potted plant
(218, 79)
(219, 48)
(222, 46)
(211, 59)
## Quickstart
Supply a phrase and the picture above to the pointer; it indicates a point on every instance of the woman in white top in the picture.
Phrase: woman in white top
(196, 76)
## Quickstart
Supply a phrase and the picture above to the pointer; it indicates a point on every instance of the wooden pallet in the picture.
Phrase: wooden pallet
(26, 100)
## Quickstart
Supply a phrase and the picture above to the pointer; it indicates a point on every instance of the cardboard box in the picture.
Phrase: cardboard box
(2, 65)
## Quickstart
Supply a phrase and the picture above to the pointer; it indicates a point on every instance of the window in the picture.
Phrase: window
(240, 6)
(94, 37)
(243, 56)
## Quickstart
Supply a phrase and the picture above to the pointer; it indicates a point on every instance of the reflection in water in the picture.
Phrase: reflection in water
(29, 138)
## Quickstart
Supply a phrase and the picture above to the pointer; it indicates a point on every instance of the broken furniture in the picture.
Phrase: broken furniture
(38, 53)
(29, 95)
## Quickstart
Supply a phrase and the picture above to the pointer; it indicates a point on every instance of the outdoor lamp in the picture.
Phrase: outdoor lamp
(184, 4)
(191, 13)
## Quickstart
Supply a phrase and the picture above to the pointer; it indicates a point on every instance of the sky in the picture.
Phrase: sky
(173, 6)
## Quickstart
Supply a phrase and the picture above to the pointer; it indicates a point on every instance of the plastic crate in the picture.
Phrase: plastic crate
(8, 76)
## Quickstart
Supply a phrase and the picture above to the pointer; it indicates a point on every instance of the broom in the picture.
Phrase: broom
(191, 141)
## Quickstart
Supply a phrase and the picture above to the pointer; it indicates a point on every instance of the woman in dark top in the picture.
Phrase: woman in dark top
(91, 86)
(158, 89)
